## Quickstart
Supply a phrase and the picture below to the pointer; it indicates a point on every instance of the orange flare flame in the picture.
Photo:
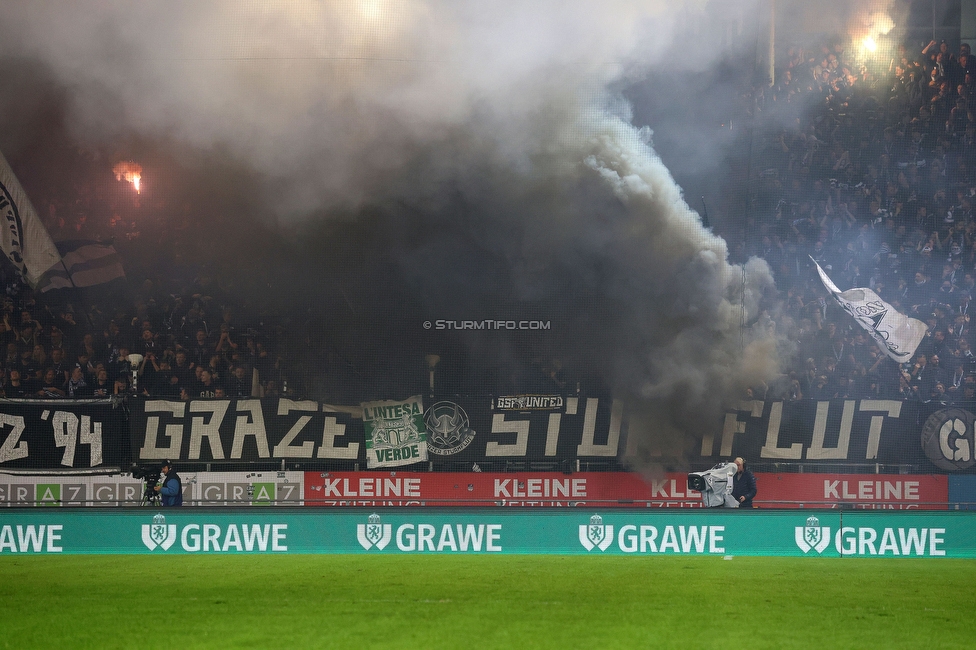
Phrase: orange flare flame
(130, 171)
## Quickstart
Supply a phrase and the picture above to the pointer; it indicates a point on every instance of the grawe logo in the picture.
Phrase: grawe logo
(215, 538)
(812, 536)
(596, 535)
(374, 533)
(158, 534)
(434, 538)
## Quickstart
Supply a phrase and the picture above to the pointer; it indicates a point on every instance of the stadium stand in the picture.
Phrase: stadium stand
(871, 172)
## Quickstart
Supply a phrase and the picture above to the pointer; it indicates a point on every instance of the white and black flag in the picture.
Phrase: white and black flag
(23, 239)
(896, 334)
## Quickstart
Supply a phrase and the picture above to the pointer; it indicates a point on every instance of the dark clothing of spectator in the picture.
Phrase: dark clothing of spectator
(164, 384)
(103, 388)
(200, 352)
(78, 389)
(50, 390)
(200, 389)
(18, 391)
(185, 373)
(239, 387)
(62, 369)
(744, 485)
(118, 368)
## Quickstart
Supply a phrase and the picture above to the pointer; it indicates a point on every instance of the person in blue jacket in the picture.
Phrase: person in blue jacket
(743, 484)
(170, 488)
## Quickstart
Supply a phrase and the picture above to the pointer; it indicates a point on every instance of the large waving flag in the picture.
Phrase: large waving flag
(23, 238)
(86, 263)
(896, 334)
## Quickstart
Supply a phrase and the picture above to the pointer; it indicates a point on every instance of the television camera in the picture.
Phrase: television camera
(715, 485)
(150, 475)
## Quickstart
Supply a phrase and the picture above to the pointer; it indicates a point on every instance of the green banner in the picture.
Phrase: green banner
(826, 533)
(395, 432)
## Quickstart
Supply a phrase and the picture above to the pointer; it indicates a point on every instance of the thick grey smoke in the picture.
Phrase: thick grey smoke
(487, 121)
(325, 96)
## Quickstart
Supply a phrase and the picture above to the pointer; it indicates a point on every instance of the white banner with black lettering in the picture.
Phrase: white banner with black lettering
(896, 334)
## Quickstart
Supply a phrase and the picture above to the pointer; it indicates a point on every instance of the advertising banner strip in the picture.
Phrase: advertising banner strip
(531, 489)
(472, 489)
(822, 533)
(199, 488)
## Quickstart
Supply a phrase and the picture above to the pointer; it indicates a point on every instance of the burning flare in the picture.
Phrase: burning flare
(130, 171)
(867, 29)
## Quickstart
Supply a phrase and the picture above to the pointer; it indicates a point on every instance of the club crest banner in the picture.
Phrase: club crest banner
(395, 432)
(23, 238)
(896, 334)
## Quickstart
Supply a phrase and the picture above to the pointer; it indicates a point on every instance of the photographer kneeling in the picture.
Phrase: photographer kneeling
(170, 488)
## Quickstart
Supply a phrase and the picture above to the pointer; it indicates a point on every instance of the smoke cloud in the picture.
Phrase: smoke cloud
(323, 96)
(499, 173)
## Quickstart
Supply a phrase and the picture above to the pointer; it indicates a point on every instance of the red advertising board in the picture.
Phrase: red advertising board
(863, 491)
(490, 489)
(618, 489)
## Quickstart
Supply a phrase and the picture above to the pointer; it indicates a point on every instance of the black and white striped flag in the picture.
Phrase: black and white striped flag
(86, 263)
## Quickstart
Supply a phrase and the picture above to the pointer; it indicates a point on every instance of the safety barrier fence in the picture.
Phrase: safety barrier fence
(518, 489)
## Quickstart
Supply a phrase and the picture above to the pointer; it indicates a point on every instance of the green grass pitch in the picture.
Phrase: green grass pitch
(346, 601)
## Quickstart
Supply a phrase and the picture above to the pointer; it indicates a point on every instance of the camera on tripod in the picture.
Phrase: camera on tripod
(151, 476)
(715, 485)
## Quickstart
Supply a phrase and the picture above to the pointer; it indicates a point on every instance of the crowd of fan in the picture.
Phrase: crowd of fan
(874, 178)
(189, 347)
